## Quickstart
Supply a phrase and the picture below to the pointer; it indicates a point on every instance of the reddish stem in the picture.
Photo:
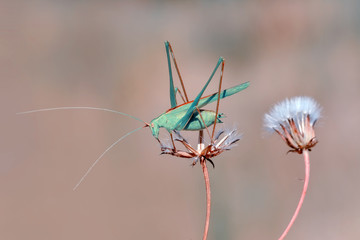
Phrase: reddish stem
(306, 183)
(208, 197)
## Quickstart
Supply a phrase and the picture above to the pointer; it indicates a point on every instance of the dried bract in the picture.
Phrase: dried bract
(223, 141)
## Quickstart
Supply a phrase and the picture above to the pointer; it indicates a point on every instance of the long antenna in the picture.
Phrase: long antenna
(98, 159)
(88, 108)
(93, 108)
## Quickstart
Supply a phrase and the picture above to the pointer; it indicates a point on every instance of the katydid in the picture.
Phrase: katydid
(188, 116)
(180, 117)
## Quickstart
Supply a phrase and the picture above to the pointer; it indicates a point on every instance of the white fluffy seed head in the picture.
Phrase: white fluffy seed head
(296, 108)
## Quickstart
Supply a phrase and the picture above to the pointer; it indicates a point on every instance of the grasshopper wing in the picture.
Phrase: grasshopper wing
(223, 94)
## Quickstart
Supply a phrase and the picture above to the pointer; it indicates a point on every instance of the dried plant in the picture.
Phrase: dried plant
(294, 120)
(223, 140)
(206, 152)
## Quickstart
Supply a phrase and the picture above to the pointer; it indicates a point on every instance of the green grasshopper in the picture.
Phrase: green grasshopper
(189, 116)
(184, 117)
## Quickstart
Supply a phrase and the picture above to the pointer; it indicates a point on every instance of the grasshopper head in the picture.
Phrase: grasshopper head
(154, 127)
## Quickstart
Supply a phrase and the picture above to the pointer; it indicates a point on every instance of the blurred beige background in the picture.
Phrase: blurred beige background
(111, 54)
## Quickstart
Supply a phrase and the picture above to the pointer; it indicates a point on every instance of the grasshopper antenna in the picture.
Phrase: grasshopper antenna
(88, 108)
(93, 108)
(98, 159)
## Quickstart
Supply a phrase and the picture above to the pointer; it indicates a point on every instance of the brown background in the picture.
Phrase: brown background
(111, 54)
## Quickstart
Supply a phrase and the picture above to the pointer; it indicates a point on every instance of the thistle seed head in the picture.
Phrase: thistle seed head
(294, 119)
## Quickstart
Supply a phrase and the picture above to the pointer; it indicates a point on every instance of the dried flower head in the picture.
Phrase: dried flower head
(223, 140)
(294, 119)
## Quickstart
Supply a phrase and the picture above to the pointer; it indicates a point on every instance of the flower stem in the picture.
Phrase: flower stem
(306, 183)
(208, 197)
